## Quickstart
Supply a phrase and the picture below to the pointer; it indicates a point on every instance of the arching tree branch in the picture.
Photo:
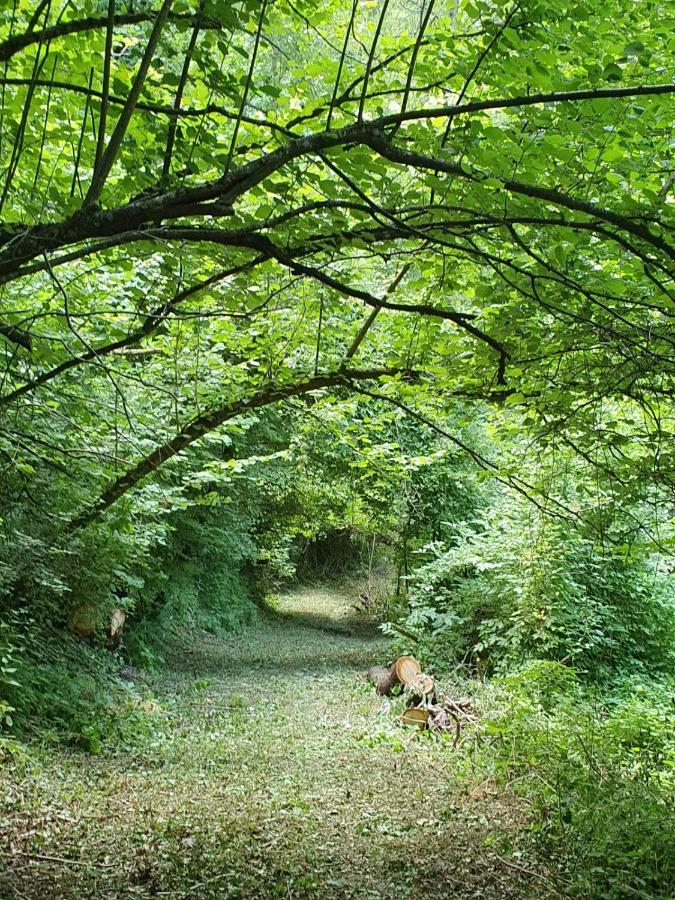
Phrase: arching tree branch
(209, 421)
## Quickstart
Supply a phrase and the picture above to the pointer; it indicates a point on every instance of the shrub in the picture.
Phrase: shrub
(197, 582)
(521, 586)
(600, 779)
(63, 690)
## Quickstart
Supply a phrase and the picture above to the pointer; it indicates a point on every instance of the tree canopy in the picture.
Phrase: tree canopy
(207, 208)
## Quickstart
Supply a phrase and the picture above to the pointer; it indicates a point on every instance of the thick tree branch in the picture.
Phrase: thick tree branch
(211, 420)
(92, 23)
(171, 204)
(422, 309)
(17, 336)
(461, 109)
(380, 143)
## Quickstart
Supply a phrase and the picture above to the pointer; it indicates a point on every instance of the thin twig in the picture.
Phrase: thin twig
(105, 87)
(522, 869)
(108, 157)
(247, 86)
(173, 122)
(371, 56)
(340, 64)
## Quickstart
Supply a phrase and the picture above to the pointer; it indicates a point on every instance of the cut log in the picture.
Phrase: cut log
(84, 620)
(117, 620)
(415, 716)
(381, 677)
(87, 621)
(427, 709)
(401, 672)
(406, 668)
(421, 690)
(421, 685)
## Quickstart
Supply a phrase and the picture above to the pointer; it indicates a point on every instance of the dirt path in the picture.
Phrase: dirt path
(271, 771)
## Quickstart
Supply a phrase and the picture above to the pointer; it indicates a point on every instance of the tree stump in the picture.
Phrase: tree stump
(87, 621)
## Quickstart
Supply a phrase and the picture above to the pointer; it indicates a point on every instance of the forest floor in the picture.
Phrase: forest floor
(270, 770)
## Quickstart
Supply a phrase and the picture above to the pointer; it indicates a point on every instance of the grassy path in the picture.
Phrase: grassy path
(271, 771)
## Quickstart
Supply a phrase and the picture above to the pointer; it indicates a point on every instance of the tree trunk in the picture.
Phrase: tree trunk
(380, 676)
(406, 669)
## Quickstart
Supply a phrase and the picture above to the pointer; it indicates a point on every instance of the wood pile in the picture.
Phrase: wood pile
(427, 708)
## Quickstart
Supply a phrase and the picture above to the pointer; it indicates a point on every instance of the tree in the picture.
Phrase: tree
(211, 207)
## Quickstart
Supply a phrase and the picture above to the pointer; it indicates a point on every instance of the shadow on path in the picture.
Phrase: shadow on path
(311, 631)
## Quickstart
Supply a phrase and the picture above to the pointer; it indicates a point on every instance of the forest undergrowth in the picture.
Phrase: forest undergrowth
(262, 764)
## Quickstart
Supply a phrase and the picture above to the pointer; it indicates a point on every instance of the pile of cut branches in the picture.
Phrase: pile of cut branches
(427, 708)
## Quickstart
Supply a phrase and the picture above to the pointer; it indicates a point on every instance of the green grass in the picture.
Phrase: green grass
(271, 770)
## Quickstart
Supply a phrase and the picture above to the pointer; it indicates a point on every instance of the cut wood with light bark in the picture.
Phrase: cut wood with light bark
(422, 686)
(416, 715)
(86, 621)
(402, 671)
(117, 620)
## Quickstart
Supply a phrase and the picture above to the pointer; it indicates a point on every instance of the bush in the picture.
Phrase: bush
(63, 690)
(600, 779)
(521, 586)
(197, 582)
(8, 665)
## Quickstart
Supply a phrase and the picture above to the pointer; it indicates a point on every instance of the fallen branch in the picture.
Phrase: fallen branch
(530, 872)
(404, 631)
(43, 857)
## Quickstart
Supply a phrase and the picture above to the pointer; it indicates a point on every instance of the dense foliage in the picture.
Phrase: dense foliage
(292, 290)
(598, 771)
(517, 585)
(211, 208)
